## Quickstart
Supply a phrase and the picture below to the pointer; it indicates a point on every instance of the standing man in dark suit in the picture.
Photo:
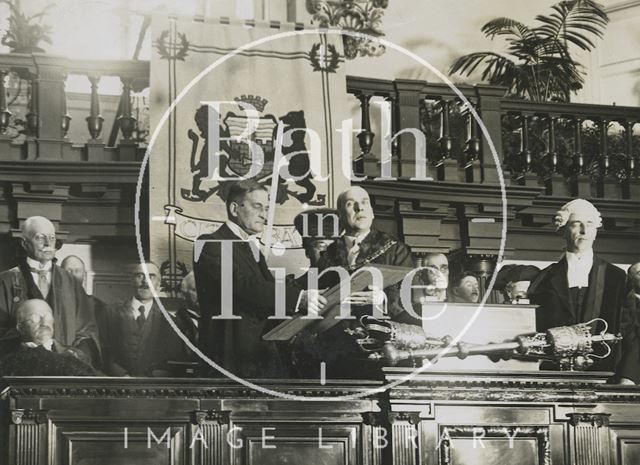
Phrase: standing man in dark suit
(582, 286)
(76, 267)
(235, 341)
(143, 340)
(38, 277)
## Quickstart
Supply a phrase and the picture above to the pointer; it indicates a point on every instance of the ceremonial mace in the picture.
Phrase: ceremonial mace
(569, 347)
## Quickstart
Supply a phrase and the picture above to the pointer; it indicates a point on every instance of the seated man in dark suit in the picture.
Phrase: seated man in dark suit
(582, 286)
(143, 340)
(36, 352)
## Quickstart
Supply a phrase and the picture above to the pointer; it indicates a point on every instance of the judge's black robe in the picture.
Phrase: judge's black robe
(604, 299)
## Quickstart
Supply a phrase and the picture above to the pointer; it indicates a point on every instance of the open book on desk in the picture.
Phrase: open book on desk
(360, 279)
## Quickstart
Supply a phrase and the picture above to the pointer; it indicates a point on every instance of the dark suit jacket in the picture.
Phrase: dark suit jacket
(74, 318)
(334, 347)
(376, 248)
(236, 344)
(605, 297)
(139, 353)
(38, 361)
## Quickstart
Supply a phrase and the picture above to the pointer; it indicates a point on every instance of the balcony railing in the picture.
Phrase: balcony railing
(566, 149)
(569, 149)
(47, 121)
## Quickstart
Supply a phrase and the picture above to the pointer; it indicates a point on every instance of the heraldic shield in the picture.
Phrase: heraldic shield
(194, 64)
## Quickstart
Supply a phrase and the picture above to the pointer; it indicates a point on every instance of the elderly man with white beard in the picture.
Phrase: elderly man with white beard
(38, 277)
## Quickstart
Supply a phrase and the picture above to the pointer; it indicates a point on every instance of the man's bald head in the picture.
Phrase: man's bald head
(39, 238)
(34, 321)
(355, 210)
(75, 266)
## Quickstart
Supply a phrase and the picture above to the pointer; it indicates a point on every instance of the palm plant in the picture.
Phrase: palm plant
(538, 64)
(25, 33)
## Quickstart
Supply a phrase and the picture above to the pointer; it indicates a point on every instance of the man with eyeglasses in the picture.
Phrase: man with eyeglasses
(235, 342)
(38, 277)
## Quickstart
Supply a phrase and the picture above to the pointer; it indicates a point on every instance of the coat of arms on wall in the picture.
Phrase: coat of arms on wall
(235, 158)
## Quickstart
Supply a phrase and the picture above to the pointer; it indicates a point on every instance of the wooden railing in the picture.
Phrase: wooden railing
(47, 121)
(568, 149)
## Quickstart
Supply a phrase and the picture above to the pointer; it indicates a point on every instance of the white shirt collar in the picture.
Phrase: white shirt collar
(357, 239)
(578, 268)
(47, 345)
(35, 264)
(135, 305)
(237, 230)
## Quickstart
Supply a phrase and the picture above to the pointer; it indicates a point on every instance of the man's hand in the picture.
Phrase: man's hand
(372, 296)
(626, 382)
(312, 301)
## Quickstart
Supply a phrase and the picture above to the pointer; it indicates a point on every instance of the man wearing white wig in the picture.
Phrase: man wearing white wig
(583, 286)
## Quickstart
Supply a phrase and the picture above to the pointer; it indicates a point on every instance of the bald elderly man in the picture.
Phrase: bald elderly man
(38, 277)
(36, 352)
(582, 286)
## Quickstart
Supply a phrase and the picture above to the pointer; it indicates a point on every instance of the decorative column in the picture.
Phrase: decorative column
(447, 166)
(94, 146)
(471, 166)
(127, 123)
(409, 94)
(30, 436)
(374, 429)
(590, 440)
(554, 182)
(209, 436)
(529, 177)
(634, 163)
(582, 186)
(365, 136)
(5, 114)
(404, 437)
(489, 101)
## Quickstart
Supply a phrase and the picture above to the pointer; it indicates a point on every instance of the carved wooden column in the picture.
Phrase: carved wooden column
(529, 177)
(608, 187)
(489, 101)
(634, 163)
(5, 117)
(582, 186)
(127, 146)
(375, 430)
(209, 437)
(404, 437)
(365, 136)
(32, 119)
(30, 438)
(590, 439)
(447, 166)
(94, 146)
(409, 97)
(50, 106)
(471, 166)
(554, 183)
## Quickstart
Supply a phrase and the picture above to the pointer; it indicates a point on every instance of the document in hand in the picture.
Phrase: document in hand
(360, 279)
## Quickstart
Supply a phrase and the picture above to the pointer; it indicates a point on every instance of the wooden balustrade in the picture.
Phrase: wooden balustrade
(47, 120)
(554, 147)
(567, 148)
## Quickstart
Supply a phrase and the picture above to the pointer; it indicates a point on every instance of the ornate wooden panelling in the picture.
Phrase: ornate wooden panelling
(434, 418)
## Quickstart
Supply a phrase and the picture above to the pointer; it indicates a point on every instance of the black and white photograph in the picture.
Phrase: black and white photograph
(338, 232)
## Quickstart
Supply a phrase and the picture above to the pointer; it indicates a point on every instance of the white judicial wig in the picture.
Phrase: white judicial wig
(577, 206)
